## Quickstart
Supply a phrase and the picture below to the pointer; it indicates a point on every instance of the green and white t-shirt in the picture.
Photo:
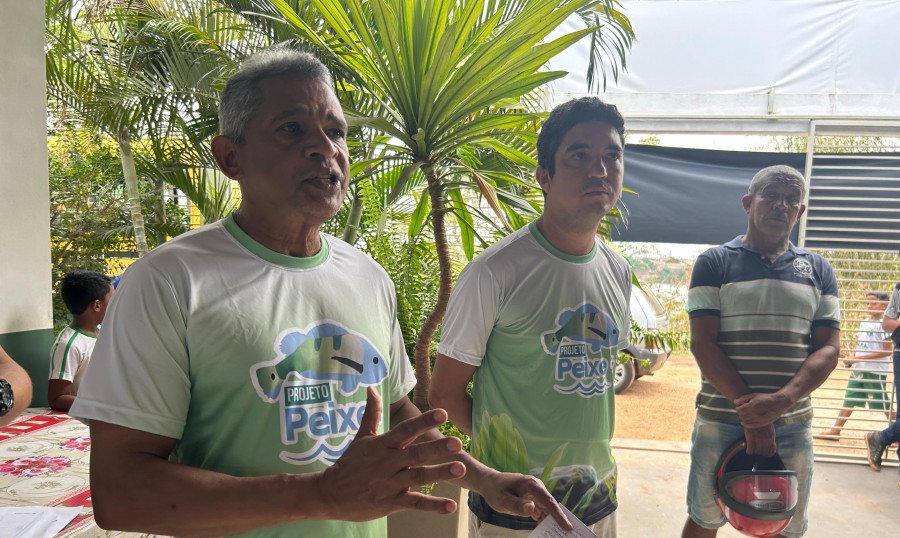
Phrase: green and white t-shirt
(255, 361)
(544, 329)
(70, 355)
(870, 338)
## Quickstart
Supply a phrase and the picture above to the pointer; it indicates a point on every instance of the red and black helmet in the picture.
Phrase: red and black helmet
(757, 495)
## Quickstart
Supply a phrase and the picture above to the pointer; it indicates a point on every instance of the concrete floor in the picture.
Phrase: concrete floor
(848, 500)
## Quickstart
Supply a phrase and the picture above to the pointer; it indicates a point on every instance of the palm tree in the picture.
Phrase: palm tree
(149, 73)
(441, 94)
(89, 80)
(447, 83)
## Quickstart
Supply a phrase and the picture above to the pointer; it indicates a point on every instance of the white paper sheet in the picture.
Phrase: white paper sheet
(35, 521)
(549, 528)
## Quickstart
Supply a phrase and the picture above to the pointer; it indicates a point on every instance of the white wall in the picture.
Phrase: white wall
(24, 192)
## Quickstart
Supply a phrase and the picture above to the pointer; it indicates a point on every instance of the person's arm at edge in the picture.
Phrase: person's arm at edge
(509, 493)
(60, 394)
(759, 409)
(890, 324)
(18, 379)
(867, 357)
(449, 382)
(860, 357)
(134, 486)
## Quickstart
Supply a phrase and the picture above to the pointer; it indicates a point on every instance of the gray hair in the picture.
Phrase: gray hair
(780, 174)
(242, 96)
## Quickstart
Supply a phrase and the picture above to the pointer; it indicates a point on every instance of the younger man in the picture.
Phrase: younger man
(866, 383)
(86, 294)
(537, 321)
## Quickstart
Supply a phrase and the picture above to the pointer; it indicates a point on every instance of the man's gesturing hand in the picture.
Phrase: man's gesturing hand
(757, 409)
(380, 474)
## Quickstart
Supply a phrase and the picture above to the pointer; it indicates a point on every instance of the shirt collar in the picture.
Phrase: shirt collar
(738, 243)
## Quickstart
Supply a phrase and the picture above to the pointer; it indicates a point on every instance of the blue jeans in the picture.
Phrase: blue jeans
(712, 438)
(892, 433)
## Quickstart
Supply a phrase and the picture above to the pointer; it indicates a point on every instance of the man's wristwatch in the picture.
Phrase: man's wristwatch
(6, 397)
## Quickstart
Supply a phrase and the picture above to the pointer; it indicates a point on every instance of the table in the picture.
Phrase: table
(44, 460)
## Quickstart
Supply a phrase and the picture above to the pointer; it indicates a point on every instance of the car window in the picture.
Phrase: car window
(641, 309)
(645, 308)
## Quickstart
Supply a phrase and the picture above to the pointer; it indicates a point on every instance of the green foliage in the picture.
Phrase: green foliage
(832, 144)
(668, 278)
(411, 262)
(674, 340)
(649, 141)
(448, 85)
(468, 132)
(89, 222)
(148, 74)
(412, 265)
(449, 430)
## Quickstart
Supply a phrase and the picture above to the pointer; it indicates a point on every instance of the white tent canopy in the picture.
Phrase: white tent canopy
(751, 65)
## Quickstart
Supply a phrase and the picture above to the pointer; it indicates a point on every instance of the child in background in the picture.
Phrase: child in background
(86, 295)
(867, 380)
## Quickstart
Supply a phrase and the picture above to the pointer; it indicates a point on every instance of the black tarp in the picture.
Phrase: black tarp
(694, 196)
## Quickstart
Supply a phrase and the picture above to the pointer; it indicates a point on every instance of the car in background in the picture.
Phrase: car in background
(650, 315)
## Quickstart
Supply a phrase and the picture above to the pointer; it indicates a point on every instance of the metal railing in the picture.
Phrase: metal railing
(853, 204)
(858, 273)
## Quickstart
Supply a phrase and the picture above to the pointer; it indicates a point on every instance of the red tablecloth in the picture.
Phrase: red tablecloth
(44, 458)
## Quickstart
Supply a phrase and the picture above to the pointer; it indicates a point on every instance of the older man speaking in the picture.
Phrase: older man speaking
(238, 381)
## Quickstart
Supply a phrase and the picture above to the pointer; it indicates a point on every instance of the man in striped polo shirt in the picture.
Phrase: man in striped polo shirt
(765, 333)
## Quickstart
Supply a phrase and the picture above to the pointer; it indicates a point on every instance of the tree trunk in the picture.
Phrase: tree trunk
(159, 210)
(422, 353)
(132, 195)
(351, 230)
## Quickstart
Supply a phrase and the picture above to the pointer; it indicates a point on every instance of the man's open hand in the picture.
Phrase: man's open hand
(380, 474)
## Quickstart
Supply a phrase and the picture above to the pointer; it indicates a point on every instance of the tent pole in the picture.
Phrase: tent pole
(807, 174)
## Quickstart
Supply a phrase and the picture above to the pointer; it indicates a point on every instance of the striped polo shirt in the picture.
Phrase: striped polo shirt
(767, 313)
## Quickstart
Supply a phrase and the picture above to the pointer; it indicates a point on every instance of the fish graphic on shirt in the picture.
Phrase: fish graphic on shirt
(325, 352)
(585, 324)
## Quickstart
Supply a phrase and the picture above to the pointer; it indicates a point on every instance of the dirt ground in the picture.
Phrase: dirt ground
(661, 408)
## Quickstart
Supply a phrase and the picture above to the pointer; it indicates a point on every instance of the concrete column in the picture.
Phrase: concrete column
(26, 325)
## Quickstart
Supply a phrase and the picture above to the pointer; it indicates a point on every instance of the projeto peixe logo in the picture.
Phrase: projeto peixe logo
(315, 373)
(578, 342)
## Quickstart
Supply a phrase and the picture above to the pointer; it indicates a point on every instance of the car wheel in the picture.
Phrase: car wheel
(624, 376)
